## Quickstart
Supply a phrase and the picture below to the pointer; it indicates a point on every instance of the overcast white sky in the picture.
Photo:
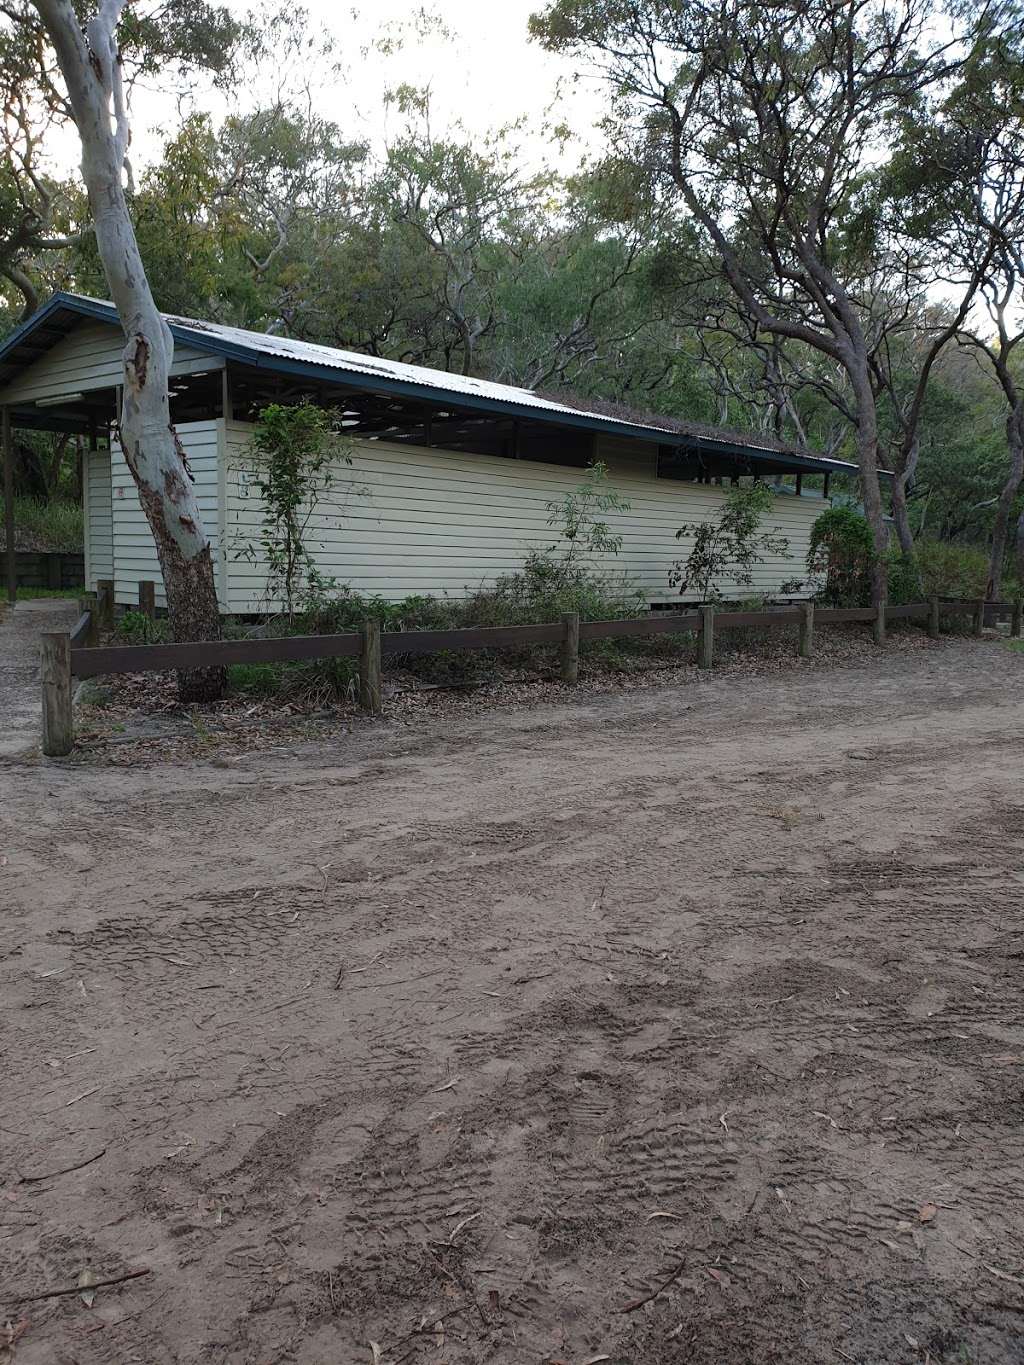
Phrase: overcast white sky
(484, 73)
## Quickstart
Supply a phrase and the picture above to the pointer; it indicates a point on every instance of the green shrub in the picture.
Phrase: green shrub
(136, 628)
(842, 548)
(903, 578)
(952, 570)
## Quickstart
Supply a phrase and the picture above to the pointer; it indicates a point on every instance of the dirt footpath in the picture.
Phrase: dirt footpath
(679, 1026)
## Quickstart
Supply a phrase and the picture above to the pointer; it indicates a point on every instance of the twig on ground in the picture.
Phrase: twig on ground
(79, 1288)
(63, 1170)
(639, 1303)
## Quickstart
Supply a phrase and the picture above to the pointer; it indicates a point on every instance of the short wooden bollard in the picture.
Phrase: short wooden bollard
(878, 625)
(105, 593)
(147, 599)
(369, 668)
(706, 638)
(979, 618)
(570, 647)
(1018, 608)
(933, 618)
(55, 673)
(806, 644)
(92, 606)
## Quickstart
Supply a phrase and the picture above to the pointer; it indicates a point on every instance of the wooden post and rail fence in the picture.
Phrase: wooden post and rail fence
(78, 654)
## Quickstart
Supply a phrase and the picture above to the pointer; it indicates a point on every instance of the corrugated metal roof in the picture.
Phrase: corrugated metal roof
(284, 354)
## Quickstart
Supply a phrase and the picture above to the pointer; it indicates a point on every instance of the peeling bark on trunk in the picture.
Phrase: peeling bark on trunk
(91, 68)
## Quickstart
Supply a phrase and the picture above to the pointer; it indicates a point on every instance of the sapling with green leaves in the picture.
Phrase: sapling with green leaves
(728, 548)
(577, 516)
(295, 451)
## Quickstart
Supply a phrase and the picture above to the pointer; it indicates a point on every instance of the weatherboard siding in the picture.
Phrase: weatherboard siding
(405, 520)
(88, 358)
(99, 521)
(135, 557)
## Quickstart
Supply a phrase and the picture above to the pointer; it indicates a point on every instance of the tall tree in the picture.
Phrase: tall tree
(769, 124)
(90, 63)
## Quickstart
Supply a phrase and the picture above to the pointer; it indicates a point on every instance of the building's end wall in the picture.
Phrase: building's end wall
(134, 550)
(98, 516)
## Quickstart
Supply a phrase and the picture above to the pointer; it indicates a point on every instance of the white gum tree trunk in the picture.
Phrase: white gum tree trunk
(91, 66)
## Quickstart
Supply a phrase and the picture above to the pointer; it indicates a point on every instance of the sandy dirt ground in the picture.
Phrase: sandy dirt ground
(453, 1040)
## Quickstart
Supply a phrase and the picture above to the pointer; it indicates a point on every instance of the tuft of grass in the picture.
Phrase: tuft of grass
(33, 594)
(56, 525)
(1017, 645)
(136, 628)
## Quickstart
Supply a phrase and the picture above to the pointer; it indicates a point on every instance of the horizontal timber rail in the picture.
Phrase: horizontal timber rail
(78, 654)
(91, 663)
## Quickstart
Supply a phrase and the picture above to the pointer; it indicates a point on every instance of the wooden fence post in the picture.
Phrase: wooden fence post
(933, 618)
(1015, 619)
(878, 624)
(570, 648)
(979, 617)
(369, 668)
(706, 638)
(53, 573)
(92, 606)
(147, 599)
(806, 644)
(105, 592)
(55, 672)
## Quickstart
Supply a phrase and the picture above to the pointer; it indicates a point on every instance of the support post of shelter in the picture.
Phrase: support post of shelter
(878, 624)
(979, 618)
(706, 637)
(933, 617)
(55, 673)
(92, 606)
(147, 598)
(105, 593)
(1015, 620)
(12, 567)
(570, 649)
(806, 644)
(369, 667)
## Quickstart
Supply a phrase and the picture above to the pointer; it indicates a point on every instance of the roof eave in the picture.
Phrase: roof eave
(210, 343)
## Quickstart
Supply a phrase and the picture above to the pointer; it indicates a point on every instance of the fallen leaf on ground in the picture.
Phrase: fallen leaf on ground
(651, 1216)
(376, 1352)
(448, 1085)
(197, 1019)
(720, 1276)
(459, 1226)
(926, 1213)
(84, 1280)
(12, 1331)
